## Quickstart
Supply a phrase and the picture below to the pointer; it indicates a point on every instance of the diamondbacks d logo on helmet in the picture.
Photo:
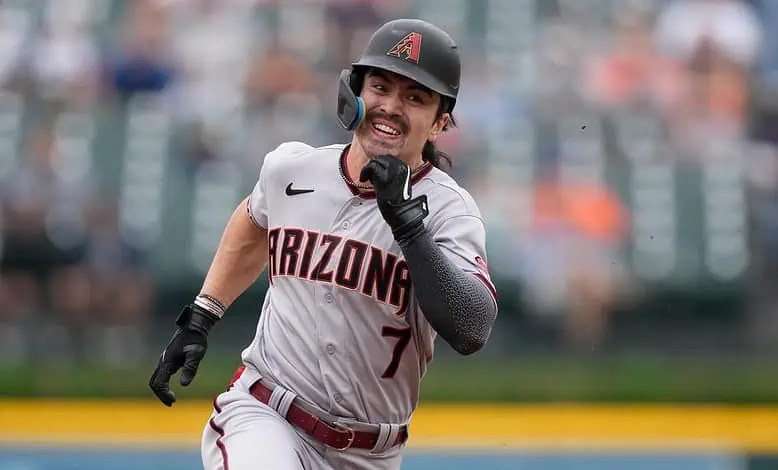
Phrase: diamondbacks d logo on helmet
(407, 48)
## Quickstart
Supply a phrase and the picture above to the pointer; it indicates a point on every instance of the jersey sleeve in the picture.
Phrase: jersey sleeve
(258, 199)
(257, 202)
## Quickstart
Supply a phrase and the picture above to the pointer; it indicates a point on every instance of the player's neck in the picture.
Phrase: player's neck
(357, 158)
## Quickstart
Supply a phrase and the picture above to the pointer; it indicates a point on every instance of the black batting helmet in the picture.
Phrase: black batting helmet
(412, 48)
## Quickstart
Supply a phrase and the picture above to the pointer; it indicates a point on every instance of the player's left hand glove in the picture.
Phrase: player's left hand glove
(391, 179)
(185, 350)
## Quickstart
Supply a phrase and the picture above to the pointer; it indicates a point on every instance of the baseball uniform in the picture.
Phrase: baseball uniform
(339, 325)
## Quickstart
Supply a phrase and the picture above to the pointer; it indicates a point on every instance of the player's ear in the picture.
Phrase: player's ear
(438, 126)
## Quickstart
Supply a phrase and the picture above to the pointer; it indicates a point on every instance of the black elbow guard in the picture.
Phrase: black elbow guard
(457, 304)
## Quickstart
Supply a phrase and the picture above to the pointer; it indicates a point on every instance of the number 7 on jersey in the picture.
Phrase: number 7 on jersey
(403, 336)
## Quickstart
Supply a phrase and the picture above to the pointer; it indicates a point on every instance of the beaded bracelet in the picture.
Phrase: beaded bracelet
(211, 304)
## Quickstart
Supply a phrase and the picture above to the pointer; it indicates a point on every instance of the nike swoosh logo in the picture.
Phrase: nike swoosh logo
(294, 192)
(407, 186)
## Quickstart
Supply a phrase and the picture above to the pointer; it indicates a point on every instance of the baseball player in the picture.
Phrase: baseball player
(371, 251)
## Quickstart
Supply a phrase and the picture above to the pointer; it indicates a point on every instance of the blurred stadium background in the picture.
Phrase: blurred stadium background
(624, 154)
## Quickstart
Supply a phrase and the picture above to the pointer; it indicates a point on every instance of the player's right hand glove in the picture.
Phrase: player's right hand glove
(391, 179)
(185, 350)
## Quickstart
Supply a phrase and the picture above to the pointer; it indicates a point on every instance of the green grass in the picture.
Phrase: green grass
(541, 379)
(606, 380)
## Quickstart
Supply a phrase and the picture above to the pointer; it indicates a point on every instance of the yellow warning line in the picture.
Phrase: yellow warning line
(125, 423)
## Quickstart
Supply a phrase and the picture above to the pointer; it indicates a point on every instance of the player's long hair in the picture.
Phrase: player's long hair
(431, 153)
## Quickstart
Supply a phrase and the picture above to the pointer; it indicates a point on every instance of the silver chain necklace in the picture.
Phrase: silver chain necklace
(367, 187)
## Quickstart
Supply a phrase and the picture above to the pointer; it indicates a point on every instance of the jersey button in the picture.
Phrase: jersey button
(328, 298)
(330, 349)
(345, 225)
(338, 397)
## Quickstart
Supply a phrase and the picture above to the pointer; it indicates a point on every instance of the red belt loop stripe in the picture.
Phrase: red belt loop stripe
(334, 435)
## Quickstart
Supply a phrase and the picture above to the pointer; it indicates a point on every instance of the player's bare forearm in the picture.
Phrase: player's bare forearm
(239, 260)
(457, 304)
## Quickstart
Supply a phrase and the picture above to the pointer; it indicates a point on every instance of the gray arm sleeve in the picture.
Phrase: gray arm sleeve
(457, 305)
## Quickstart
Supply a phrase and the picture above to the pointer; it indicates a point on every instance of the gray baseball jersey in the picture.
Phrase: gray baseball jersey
(339, 324)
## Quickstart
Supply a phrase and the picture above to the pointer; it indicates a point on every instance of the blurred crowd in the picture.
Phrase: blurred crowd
(557, 96)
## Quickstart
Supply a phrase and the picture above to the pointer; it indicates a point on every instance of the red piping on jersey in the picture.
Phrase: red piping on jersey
(251, 216)
(235, 376)
(220, 431)
(488, 285)
(371, 194)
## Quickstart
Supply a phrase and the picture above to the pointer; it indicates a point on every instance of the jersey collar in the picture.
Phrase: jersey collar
(370, 194)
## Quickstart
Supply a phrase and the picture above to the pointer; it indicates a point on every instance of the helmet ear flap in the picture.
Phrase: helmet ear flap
(356, 78)
(351, 108)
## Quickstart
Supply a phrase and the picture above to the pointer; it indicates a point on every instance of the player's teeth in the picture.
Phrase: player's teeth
(385, 128)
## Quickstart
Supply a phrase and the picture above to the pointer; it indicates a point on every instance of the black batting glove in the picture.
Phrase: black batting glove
(391, 179)
(185, 350)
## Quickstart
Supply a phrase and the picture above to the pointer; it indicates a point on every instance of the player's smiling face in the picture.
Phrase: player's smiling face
(400, 116)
